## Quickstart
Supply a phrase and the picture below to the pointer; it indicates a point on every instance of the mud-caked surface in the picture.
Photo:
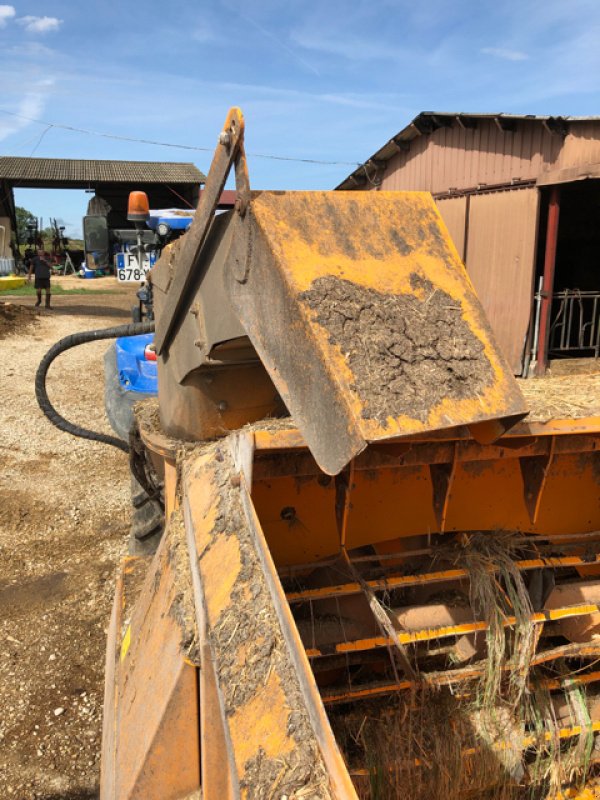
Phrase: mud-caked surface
(182, 608)
(408, 352)
(248, 647)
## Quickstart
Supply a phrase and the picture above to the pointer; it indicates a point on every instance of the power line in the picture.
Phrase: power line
(116, 136)
(39, 141)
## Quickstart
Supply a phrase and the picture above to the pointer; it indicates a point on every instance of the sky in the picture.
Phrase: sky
(328, 81)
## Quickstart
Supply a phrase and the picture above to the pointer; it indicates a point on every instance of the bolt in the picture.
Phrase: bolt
(236, 481)
(198, 343)
(225, 138)
(222, 406)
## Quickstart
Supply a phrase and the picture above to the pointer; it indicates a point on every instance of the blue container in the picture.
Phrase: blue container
(176, 222)
(89, 273)
(136, 373)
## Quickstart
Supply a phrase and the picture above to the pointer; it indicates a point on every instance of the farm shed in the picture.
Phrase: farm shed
(521, 198)
(166, 184)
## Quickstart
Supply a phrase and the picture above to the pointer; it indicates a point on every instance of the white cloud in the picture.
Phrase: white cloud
(31, 50)
(6, 13)
(40, 24)
(349, 46)
(505, 53)
(29, 108)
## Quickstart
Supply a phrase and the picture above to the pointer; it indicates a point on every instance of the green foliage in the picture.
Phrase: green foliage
(23, 217)
(29, 290)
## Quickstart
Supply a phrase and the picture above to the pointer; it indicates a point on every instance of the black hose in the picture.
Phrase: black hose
(75, 339)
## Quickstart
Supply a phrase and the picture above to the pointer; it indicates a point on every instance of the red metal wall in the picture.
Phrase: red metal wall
(458, 158)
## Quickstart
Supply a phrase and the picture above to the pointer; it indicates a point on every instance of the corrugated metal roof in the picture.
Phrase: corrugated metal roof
(67, 170)
(427, 122)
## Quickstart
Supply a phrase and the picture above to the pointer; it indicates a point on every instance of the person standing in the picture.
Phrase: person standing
(40, 268)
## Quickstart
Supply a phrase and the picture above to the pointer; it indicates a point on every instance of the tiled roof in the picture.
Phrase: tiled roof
(66, 170)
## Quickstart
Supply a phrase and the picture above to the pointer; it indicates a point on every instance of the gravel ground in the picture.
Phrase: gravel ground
(64, 516)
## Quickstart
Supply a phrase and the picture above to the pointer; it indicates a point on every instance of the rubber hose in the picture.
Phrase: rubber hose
(75, 339)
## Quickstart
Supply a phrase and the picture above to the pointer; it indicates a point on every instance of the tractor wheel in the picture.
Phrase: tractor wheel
(147, 521)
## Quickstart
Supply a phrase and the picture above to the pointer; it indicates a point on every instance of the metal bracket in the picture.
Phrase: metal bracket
(230, 151)
(442, 478)
(534, 472)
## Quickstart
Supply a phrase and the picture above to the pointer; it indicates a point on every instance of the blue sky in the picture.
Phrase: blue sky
(330, 81)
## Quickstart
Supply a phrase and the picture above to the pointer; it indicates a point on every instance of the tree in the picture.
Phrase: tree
(23, 217)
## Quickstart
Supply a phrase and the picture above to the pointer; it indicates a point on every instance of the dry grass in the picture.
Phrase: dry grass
(562, 397)
(467, 741)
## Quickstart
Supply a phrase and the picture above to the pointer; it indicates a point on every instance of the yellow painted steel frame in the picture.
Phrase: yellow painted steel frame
(253, 503)
(261, 714)
(540, 479)
(150, 738)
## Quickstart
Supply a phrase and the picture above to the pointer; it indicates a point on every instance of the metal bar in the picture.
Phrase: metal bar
(399, 454)
(228, 150)
(392, 582)
(212, 713)
(536, 326)
(549, 268)
(539, 540)
(485, 189)
(571, 330)
(564, 325)
(216, 781)
(427, 634)
(384, 623)
(569, 326)
(597, 345)
(344, 483)
(371, 690)
(572, 650)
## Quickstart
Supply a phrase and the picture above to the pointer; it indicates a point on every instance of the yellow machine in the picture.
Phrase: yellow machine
(377, 577)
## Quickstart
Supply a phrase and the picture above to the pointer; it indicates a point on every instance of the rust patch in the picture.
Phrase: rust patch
(406, 354)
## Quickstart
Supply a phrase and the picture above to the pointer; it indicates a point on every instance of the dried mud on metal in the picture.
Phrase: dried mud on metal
(406, 354)
(248, 646)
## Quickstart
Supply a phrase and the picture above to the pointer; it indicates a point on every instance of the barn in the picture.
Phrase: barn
(109, 183)
(520, 196)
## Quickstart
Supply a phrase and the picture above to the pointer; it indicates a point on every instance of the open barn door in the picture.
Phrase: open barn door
(500, 260)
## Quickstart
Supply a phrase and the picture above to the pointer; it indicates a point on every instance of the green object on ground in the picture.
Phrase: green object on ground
(28, 290)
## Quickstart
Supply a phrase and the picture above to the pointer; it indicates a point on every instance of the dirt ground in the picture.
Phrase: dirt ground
(64, 515)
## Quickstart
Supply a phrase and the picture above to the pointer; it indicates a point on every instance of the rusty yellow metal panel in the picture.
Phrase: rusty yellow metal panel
(264, 705)
(363, 314)
(151, 746)
(522, 483)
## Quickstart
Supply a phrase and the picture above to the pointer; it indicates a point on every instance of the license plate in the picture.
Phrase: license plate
(131, 274)
(128, 268)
